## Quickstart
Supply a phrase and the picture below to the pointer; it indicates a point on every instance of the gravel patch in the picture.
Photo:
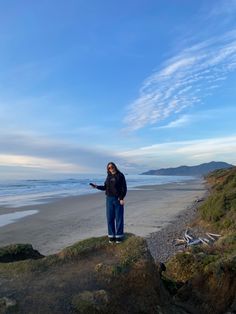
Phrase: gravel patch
(162, 243)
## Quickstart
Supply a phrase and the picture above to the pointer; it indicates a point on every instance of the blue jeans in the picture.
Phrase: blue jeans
(115, 217)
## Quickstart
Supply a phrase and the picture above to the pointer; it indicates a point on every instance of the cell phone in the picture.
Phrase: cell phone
(93, 185)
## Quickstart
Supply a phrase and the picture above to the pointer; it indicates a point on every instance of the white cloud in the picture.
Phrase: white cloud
(184, 152)
(178, 65)
(224, 7)
(41, 163)
(183, 81)
(214, 146)
(180, 122)
(34, 151)
(207, 115)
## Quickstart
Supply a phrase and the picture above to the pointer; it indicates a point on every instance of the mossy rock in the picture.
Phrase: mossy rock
(8, 306)
(17, 252)
(181, 267)
(213, 290)
(91, 302)
(83, 248)
(203, 280)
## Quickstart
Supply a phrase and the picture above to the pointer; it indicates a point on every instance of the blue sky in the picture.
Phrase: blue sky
(146, 84)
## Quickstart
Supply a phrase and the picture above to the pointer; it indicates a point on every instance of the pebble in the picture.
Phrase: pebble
(162, 243)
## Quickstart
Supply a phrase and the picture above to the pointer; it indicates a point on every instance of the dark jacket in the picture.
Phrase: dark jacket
(115, 185)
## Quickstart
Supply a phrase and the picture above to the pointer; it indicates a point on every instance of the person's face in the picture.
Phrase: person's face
(111, 169)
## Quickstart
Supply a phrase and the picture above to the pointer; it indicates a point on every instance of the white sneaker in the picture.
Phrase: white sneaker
(112, 240)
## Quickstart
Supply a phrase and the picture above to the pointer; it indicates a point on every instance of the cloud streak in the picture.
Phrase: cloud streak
(182, 121)
(224, 7)
(188, 152)
(183, 81)
(33, 151)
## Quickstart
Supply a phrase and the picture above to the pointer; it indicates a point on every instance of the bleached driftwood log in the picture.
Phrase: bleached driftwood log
(189, 239)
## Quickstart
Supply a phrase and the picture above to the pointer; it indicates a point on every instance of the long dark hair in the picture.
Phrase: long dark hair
(114, 165)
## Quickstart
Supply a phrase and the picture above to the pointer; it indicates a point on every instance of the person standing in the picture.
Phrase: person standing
(116, 189)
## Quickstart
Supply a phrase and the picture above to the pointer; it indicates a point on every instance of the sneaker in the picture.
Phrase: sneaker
(112, 240)
(118, 240)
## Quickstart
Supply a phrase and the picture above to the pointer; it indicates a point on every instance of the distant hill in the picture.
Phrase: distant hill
(199, 170)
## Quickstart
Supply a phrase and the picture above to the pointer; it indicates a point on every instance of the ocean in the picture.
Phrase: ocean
(30, 192)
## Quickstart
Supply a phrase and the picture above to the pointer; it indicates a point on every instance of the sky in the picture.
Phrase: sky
(146, 84)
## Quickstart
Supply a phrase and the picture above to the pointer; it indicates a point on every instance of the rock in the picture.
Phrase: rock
(17, 252)
(7, 304)
(90, 276)
(90, 301)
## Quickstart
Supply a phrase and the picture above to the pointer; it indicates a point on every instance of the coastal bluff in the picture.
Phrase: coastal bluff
(93, 276)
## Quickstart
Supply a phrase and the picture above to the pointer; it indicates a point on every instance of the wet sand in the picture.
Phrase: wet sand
(64, 221)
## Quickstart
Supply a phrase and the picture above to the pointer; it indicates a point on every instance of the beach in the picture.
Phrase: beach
(63, 221)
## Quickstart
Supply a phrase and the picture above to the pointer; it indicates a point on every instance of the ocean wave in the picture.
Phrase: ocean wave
(27, 192)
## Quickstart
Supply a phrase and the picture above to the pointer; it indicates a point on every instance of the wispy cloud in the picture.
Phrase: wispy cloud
(49, 164)
(183, 81)
(206, 116)
(33, 151)
(180, 122)
(224, 7)
(184, 152)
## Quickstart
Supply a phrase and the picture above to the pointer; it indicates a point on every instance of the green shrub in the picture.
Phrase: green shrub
(214, 208)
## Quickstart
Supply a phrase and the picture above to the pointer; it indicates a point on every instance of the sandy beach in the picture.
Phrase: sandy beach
(64, 221)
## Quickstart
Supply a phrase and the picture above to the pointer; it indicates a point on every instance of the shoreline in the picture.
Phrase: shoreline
(65, 221)
(21, 193)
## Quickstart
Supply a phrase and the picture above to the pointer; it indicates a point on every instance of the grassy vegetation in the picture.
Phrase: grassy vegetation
(27, 260)
(204, 275)
(128, 257)
(82, 248)
(16, 252)
(91, 276)
(220, 208)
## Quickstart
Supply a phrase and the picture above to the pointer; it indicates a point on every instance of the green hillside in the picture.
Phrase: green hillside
(220, 207)
(202, 278)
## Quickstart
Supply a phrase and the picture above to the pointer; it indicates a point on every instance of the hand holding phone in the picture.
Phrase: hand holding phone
(93, 185)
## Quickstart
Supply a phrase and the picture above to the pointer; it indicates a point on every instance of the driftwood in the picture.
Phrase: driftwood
(189, 239)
